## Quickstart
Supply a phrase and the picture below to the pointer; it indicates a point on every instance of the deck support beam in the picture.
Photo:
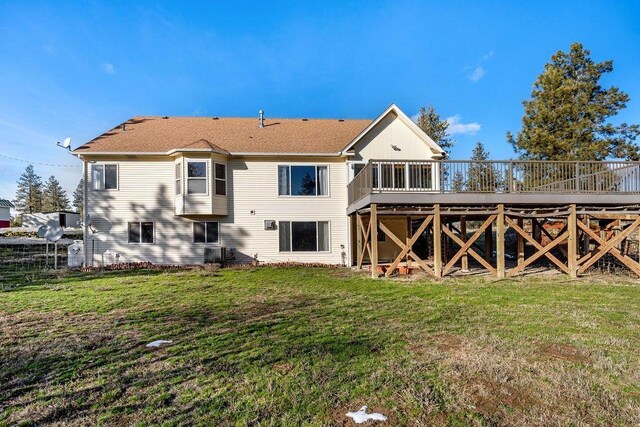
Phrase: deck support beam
(374, 240)
(463, 232)
(437, 242)
(572, 249)
(500, 268)
(560, 235)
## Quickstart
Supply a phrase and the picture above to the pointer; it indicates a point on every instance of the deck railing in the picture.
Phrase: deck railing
(495, 176)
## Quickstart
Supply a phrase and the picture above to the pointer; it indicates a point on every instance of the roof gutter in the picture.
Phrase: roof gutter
(168, 153)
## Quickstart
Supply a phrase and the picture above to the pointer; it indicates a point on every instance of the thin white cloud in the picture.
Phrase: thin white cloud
(108, 68)
(456, 127)
(477, 73)
(488, 55)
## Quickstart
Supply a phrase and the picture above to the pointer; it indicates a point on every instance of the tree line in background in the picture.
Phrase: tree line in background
(33, 195)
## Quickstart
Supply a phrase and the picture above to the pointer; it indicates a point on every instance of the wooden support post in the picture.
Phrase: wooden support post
(374, 240)
(500, 243)
(409, 236)
(437, 242)
(359, 237)
(488, 237)
(520, 243)
(463, 232)
(572, 242)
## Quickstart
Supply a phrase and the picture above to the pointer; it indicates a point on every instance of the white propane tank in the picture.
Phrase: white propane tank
(76, 254)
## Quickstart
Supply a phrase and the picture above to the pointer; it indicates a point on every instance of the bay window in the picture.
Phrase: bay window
(220, 171)
(197, 177)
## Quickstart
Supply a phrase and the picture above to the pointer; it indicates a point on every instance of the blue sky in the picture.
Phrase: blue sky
(79, 68)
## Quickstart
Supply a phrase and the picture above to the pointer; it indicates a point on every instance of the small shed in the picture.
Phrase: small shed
(65, 219)
(5, 213)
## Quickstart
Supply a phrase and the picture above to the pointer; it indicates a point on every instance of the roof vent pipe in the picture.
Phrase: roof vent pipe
(261, 118)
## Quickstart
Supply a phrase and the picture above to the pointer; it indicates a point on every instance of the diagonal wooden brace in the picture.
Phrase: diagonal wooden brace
(465, 247)
(609, 245)
(408, 247)
(542, 250)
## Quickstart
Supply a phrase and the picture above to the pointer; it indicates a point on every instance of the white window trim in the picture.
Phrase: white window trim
(104, 176)
(317, 237)
(193, 233)
(140, 233)
(215, 179)
(206, 178)
(315, 165)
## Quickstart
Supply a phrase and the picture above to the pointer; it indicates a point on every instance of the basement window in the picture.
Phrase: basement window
(206, 232)
(304, 236)
(104, 177)
(141, 232)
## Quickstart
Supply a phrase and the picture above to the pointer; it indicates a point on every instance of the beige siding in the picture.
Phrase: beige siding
(391, 132)
(255, 189)
(146, 192)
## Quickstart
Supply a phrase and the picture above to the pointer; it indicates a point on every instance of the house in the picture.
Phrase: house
(5, 213)
(65, 219)
(174, 190)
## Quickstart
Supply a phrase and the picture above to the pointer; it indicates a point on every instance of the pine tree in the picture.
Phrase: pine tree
(308, 186)
(482, 175)
(78, 199)
(457, 183)
(429, 121)
(29, 193)
(566, 117)
(54, 198)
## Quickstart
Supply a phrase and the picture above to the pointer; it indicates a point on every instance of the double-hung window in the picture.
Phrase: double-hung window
(178, 179)
(206, 232)
(197, 177)
(303, 180)
(220, 170)
(304, 236)
(141, 232)
(104, 177)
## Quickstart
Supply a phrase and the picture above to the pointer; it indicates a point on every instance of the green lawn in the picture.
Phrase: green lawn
(297, 346)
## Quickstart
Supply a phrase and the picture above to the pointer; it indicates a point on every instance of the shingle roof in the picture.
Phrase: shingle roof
(234, 135)
(6, 204)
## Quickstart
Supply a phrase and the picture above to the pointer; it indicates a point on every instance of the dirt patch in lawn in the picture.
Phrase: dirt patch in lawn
(489, 396)
(564, 352)
(443, 342)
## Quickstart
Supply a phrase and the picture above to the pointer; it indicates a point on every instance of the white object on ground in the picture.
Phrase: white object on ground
(158, 343)
(362, 416)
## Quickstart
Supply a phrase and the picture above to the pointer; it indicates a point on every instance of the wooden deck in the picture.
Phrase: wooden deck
(495, 182)
(596, 206)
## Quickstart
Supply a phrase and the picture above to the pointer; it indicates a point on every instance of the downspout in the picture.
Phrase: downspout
(85, 210)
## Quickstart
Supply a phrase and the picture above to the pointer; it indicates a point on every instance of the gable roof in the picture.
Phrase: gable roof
(6, 204)
(393, 108)
(166, 135)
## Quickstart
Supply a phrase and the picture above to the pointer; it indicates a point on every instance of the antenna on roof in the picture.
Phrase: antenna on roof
(65, 144)
(261, 113)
